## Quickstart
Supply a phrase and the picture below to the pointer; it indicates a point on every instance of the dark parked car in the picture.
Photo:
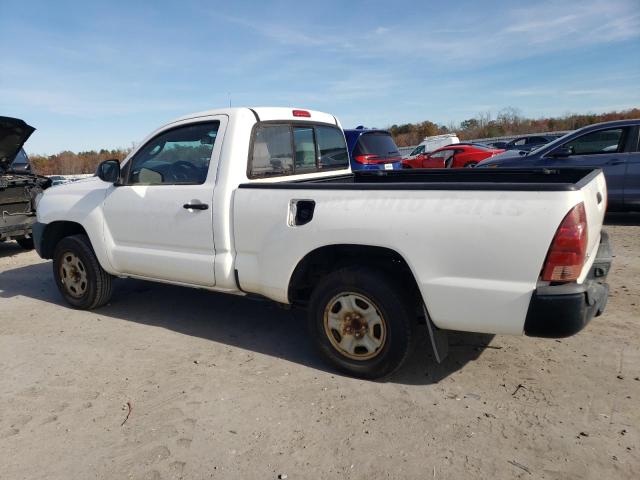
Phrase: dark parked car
(612, 146)
(526, 143)
(372, 149)
(18, 187)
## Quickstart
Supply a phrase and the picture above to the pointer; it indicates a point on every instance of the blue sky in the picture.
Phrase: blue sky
(90, 75)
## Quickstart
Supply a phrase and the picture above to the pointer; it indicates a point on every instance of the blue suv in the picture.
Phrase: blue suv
(612, 146)
(372, 149)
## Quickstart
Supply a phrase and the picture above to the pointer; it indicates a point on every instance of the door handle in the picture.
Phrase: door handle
(301, 212)
(195, 206)
(615, 162)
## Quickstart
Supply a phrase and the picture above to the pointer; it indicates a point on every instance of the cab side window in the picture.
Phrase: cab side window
(611, 140)
(179, 156)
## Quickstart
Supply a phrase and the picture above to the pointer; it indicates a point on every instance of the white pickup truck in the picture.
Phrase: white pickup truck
(262, 201)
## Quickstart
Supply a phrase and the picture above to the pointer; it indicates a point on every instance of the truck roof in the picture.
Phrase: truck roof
(268, 114)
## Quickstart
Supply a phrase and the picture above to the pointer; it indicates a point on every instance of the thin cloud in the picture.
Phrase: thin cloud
(563, 26)
(83, 105)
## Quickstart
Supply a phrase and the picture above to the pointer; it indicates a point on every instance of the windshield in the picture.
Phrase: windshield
(21, 159)
(418, 150)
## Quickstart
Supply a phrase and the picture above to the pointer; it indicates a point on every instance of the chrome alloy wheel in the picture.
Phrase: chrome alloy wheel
(354, 325)
(73, 275)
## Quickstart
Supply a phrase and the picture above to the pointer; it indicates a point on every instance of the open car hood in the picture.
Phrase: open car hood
(13, 134)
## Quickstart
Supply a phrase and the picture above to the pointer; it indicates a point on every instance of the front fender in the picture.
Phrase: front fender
(80, 203)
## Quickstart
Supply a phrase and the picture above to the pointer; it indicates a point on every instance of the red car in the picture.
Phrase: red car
(458, 155)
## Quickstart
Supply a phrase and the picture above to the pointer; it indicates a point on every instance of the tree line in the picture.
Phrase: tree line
(508, 121)
(71, 163)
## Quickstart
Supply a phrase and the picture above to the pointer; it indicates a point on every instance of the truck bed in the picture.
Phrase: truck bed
(475, 239)
(503, 179)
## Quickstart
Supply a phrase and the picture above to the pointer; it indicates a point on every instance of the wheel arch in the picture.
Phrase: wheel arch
(323, 260)
(56, 231)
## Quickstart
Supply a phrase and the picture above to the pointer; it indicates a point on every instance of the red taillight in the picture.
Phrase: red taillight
(367, 159)
(371, 159)
(301, 113)
(569, 248)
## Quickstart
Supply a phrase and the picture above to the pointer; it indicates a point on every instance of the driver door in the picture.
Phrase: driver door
(158, 222)
(433, 160)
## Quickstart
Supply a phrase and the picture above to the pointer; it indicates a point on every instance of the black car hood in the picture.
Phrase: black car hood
(13, 134)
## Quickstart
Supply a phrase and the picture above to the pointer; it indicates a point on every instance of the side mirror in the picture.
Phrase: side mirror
(562, 152)
(109, 171)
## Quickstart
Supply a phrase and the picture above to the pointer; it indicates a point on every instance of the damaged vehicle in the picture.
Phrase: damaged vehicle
(18, 187)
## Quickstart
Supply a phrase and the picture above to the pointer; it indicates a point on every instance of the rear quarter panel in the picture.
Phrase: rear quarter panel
(476, 255)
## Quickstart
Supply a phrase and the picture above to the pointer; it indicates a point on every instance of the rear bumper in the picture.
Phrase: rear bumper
(557, 311)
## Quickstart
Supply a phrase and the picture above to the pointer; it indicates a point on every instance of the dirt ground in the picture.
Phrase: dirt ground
(225, 387)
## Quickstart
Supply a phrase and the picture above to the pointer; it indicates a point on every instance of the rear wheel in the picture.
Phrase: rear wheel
(361, 322)
(81, 280)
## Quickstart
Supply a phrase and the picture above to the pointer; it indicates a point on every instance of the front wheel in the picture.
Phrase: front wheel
(83, 283)
(361, 322)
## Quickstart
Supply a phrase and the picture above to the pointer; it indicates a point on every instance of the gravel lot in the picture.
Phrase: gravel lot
(224, 387)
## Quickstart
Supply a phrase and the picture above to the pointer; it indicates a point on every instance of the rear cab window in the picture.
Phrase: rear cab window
(291, 148)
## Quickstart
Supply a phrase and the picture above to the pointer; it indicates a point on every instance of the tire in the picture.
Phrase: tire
(470, 164)
(25, 242)
(335, 323)
(81, 280)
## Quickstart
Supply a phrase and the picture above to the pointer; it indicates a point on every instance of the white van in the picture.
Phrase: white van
(429, 144)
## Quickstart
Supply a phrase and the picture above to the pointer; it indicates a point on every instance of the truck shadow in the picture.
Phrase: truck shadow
(9, 249)
(256, 325)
